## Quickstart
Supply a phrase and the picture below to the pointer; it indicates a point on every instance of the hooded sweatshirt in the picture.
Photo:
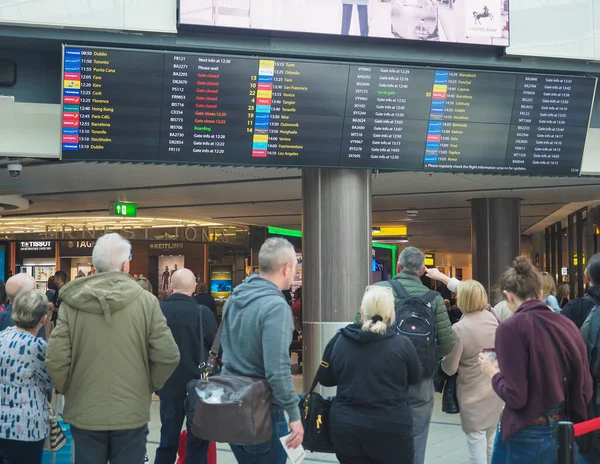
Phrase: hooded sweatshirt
(372, 373)
(257, 334)
(110, 350)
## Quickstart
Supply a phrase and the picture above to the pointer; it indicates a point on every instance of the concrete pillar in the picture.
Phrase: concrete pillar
(495, 238)
(336, 254)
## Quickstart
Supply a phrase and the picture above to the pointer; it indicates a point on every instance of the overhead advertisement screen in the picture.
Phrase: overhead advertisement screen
(483, 22)
(126, 105)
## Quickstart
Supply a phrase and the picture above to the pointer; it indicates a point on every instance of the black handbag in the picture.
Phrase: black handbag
(446, 384)
(449, 398)
(314, 410)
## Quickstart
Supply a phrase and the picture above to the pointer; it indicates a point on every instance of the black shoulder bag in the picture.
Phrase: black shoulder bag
(314, 410)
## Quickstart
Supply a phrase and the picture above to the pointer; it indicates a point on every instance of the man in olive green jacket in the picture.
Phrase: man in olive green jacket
(411, 266)
(110, 350)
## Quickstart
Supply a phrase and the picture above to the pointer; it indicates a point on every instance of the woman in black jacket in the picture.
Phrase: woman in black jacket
(372, 367)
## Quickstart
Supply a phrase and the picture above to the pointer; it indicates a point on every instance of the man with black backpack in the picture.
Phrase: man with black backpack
(421, 316)
(585, 313)
(577, 310)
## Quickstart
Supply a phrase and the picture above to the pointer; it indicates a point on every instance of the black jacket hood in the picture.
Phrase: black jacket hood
(356, 333)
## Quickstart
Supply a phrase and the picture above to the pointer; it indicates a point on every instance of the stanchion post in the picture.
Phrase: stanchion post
(565, 439)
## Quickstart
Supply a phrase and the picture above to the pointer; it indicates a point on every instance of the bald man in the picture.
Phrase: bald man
(194, 328)
(17, 284)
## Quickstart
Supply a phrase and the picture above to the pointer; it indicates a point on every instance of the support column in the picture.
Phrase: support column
(495, 238)
(336, 255)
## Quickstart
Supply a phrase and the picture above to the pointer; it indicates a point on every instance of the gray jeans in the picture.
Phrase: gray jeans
(420, 399)
(116, 446)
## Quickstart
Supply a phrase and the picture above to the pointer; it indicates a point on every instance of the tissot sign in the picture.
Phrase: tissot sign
(36, 246)
(36, 249)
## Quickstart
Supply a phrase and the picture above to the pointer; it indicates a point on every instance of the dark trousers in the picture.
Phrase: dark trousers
(116, 446)
(361, 445)
(21, 452)
(363, 19)
(172, 416)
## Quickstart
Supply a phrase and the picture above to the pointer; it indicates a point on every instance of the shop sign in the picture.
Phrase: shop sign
(182, 234)
(36, 249)
(36, 246)
(166, 246)
(77, 248)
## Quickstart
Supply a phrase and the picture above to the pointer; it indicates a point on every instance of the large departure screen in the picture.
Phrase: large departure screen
(129, 105)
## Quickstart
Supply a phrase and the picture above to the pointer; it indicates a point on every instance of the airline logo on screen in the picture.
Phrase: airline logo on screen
(71, 99)
(262, 117)
(436, 116)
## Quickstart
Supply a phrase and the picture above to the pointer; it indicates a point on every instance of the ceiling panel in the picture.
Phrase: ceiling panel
(270, 196)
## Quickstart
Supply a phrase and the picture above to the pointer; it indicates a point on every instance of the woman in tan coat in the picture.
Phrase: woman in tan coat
(480, 407)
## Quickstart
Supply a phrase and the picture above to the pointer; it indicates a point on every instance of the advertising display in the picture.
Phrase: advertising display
(297, 283)
(483, 22)
(167, 265)
(219, 110)
(221, 282)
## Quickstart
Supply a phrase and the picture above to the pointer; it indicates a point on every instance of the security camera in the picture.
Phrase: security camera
(15, 169)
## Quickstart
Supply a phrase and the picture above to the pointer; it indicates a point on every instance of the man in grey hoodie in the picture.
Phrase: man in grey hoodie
(257, 333)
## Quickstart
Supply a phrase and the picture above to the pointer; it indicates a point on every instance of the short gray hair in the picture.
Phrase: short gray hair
(275, 253)
(18, 284)
(412, 260)
(110, 252)
(29, 308)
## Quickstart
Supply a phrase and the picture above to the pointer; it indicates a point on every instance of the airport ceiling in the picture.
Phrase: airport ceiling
(272, 197)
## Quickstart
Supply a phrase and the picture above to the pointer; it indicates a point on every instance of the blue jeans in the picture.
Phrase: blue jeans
(535, 444)
(592, 458)
(271, 452)
(363, 19)
(172, 415)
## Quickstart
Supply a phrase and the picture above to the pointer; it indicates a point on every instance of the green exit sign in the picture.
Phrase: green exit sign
(125, 209)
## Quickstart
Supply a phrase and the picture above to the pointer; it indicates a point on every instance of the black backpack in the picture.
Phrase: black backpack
(415, 318)
(590, 330)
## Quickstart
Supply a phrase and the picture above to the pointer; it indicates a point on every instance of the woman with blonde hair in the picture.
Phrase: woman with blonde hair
(563, 294)
(372, 366)
(548, 292)
(479, 406)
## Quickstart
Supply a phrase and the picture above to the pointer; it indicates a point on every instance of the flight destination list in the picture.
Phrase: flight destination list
(130, 105)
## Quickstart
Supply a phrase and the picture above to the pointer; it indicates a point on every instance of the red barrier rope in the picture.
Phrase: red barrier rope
(586, 427)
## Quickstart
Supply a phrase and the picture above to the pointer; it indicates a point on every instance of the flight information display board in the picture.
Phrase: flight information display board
(127, 105)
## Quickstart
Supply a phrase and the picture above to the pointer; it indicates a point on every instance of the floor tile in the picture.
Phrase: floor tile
(447, 443)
